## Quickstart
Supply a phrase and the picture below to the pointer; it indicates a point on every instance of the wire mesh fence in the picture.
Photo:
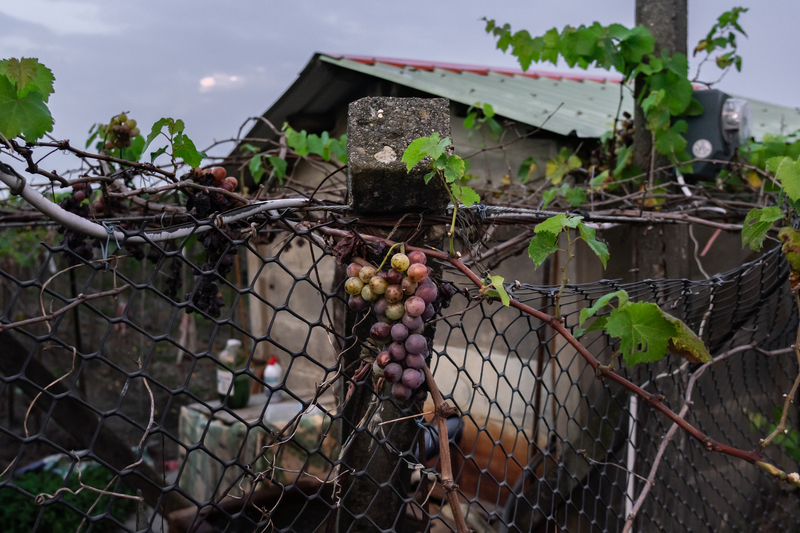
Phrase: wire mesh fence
(117, 414)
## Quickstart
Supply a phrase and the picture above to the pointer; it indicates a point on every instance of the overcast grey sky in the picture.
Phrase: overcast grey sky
(215, 63)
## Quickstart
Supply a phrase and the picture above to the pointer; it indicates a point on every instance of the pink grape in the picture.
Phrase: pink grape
(383, 359)
(80, 196)
(394, 277)
(428, 314)
(417, 257)
(408, 286)
(380, 306)
(414, 360)
(417, 272)
(399, 333)
(393, 372)
(397, 351)
(380, 331)
(413, 378)
(412, 322)
(400, 262)
(395, 311)
(353, 269)
(401, 392)
(416, 344)
(415, 305)
(428, 293)
(393, 294)
(357, 303)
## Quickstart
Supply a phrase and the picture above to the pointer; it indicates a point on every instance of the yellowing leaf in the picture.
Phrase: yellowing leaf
(753, 179)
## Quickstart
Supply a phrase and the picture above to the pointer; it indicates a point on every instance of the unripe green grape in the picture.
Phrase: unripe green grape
(353, 286)
(366, 273)
(378, 284)
(130, 123)
(135, 132)
(122, 117)
(400, 262)
(395, 311)
(367, 294)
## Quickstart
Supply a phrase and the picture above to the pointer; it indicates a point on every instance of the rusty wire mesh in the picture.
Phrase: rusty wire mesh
(541, 444)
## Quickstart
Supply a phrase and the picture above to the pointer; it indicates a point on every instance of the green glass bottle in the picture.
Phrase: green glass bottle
(235, 359)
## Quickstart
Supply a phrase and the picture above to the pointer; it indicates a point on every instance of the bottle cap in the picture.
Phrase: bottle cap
(272, 361)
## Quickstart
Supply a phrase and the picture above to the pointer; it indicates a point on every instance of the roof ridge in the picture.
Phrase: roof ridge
(473, 69)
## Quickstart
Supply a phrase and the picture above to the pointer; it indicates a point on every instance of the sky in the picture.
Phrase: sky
(214, 64)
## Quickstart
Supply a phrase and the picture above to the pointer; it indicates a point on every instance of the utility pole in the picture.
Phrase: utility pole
(660, 251)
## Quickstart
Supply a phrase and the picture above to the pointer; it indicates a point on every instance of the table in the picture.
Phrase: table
(204, 477)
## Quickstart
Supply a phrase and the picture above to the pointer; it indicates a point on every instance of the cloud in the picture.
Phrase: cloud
(220, 81)
(63, 18)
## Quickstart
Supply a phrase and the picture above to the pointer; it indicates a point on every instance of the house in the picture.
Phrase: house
(548, 111)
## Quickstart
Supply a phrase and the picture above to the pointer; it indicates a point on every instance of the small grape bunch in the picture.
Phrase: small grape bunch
(219, 255)
(212, 202)
(75, 241)
(402, 299)
(119, 132)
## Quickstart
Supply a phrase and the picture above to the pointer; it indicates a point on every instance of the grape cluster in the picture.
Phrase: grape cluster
(77, 242)
(212, 202)
(119, 132)
(219, 254)
(402, 299)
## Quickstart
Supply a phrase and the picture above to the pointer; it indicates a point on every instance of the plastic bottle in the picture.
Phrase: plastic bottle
(273, 373)
(233, 357)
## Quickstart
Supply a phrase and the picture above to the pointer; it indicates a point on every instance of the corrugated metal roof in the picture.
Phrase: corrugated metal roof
(586, 104)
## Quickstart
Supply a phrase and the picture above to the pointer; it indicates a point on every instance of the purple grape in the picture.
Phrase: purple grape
(413, 378)
(394, 277)
(380, 306)
(420, 395)
(380, 331)
(399, 333)
(416, 344)
(383, 359)
(412, 322)
(414, 360)
(415, 306)
(428, 314)
(357, 304)
(397, 351)
(401, 392)
(428, 293)
(393, 372)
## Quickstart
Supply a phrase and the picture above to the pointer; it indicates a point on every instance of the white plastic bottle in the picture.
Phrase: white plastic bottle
(273, 373)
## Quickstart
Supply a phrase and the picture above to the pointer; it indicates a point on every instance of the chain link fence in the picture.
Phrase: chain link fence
(111, 416)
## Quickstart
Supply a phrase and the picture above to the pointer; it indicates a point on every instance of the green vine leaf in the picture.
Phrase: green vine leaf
(643, 331)
(431, 146)
(184, 148)
(757, 224)
(685, 342)
(256, 168)
(278, 167)
(454, 169)
(589, 237)
(28, 116)
(27, 75)
(527, 169)
(788, 173)
(498, 291)
(589, 312)
(557, 223)
(541, 246)
(575, 196)
(465, 195)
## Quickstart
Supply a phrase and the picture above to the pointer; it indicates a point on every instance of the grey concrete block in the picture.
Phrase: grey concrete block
(379, 129)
